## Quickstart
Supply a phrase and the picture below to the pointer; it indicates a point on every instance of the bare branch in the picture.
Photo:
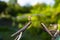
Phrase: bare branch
(46, 29)
(23, 29)
(56, 33)
(19, 36)
(16, 37)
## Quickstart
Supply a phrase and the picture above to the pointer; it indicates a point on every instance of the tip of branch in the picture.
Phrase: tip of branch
(42, 23)
(11, 35)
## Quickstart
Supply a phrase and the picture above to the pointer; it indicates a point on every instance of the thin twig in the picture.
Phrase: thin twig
(19, 36)
(16, 38)
(23, 29)
(46, 29)
(56, 33)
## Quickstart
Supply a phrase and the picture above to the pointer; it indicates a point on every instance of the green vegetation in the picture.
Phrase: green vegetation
(14, 17)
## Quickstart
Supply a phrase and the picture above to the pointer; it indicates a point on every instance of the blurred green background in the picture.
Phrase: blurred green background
(13, 17)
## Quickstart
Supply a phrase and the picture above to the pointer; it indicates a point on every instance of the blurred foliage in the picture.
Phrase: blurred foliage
(14, 14)
(3, 6)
